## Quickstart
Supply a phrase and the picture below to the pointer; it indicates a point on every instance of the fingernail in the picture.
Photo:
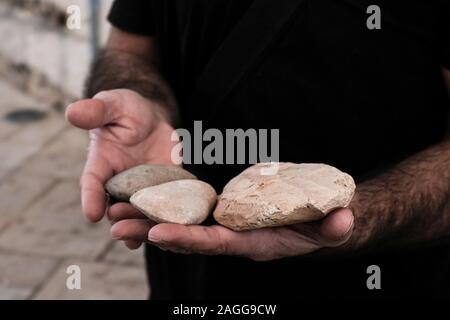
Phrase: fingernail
(350, 227)
(114, 235)
(154, 238)
(351, 224)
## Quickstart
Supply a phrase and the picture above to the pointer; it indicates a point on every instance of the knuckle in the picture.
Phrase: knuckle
(111, 98)
(222, 246)
(106, 94)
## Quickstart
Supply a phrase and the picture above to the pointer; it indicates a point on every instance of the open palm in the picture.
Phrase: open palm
(125, 131)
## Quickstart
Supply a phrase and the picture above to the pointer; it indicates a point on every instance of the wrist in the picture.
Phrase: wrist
(369, 210)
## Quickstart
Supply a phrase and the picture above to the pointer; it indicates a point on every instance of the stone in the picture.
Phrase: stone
(297, 193)
(122, 186)
(183, 202)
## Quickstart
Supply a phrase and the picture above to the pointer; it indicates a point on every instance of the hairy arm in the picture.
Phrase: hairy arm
(131, 62)
(407, 205)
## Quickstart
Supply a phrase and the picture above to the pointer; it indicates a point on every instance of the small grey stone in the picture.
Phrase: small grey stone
(296, 193)
(182, 202)
(122, 186)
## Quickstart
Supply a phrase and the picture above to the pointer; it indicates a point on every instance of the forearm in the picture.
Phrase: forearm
(410, 204)
(116, 69)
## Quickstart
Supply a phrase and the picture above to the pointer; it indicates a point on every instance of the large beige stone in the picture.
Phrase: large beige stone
(182, 202)
(296, 193)
(128, 182)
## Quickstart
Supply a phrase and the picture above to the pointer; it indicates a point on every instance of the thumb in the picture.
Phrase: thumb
(337, 227)
(92, 113)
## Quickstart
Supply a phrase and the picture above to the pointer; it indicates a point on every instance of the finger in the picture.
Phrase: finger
(214, 240)
(94, 113)
(90, 114)
(337, 227)
(134, 229)
(93, 199)
(122, 211)
(133, 245)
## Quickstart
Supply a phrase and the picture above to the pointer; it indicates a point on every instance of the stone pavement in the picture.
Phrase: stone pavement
(42, 230)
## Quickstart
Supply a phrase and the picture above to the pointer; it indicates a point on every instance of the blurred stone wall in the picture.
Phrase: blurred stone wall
(39, 54)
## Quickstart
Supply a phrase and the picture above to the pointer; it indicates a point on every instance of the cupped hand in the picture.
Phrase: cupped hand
(260, 245)
(125, 130)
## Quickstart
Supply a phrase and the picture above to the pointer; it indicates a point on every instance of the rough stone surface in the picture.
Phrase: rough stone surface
(182, 202)
(297, 193)
(126, 183)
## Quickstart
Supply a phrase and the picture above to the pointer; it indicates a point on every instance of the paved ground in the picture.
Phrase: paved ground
(42, 230)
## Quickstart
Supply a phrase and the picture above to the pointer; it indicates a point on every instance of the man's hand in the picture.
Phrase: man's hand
(260, 245)
(125, 130)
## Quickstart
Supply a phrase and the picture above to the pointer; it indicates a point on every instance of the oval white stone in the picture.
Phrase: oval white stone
(182, 201)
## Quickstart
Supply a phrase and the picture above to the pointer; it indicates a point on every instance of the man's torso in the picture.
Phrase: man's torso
(340, 93)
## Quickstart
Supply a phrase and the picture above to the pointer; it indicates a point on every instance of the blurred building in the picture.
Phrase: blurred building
(43, 65)
(38, 51)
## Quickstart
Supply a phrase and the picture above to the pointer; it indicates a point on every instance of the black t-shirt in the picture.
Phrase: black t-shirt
(359, 99)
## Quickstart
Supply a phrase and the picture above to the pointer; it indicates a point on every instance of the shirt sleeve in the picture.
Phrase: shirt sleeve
(134, 16)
